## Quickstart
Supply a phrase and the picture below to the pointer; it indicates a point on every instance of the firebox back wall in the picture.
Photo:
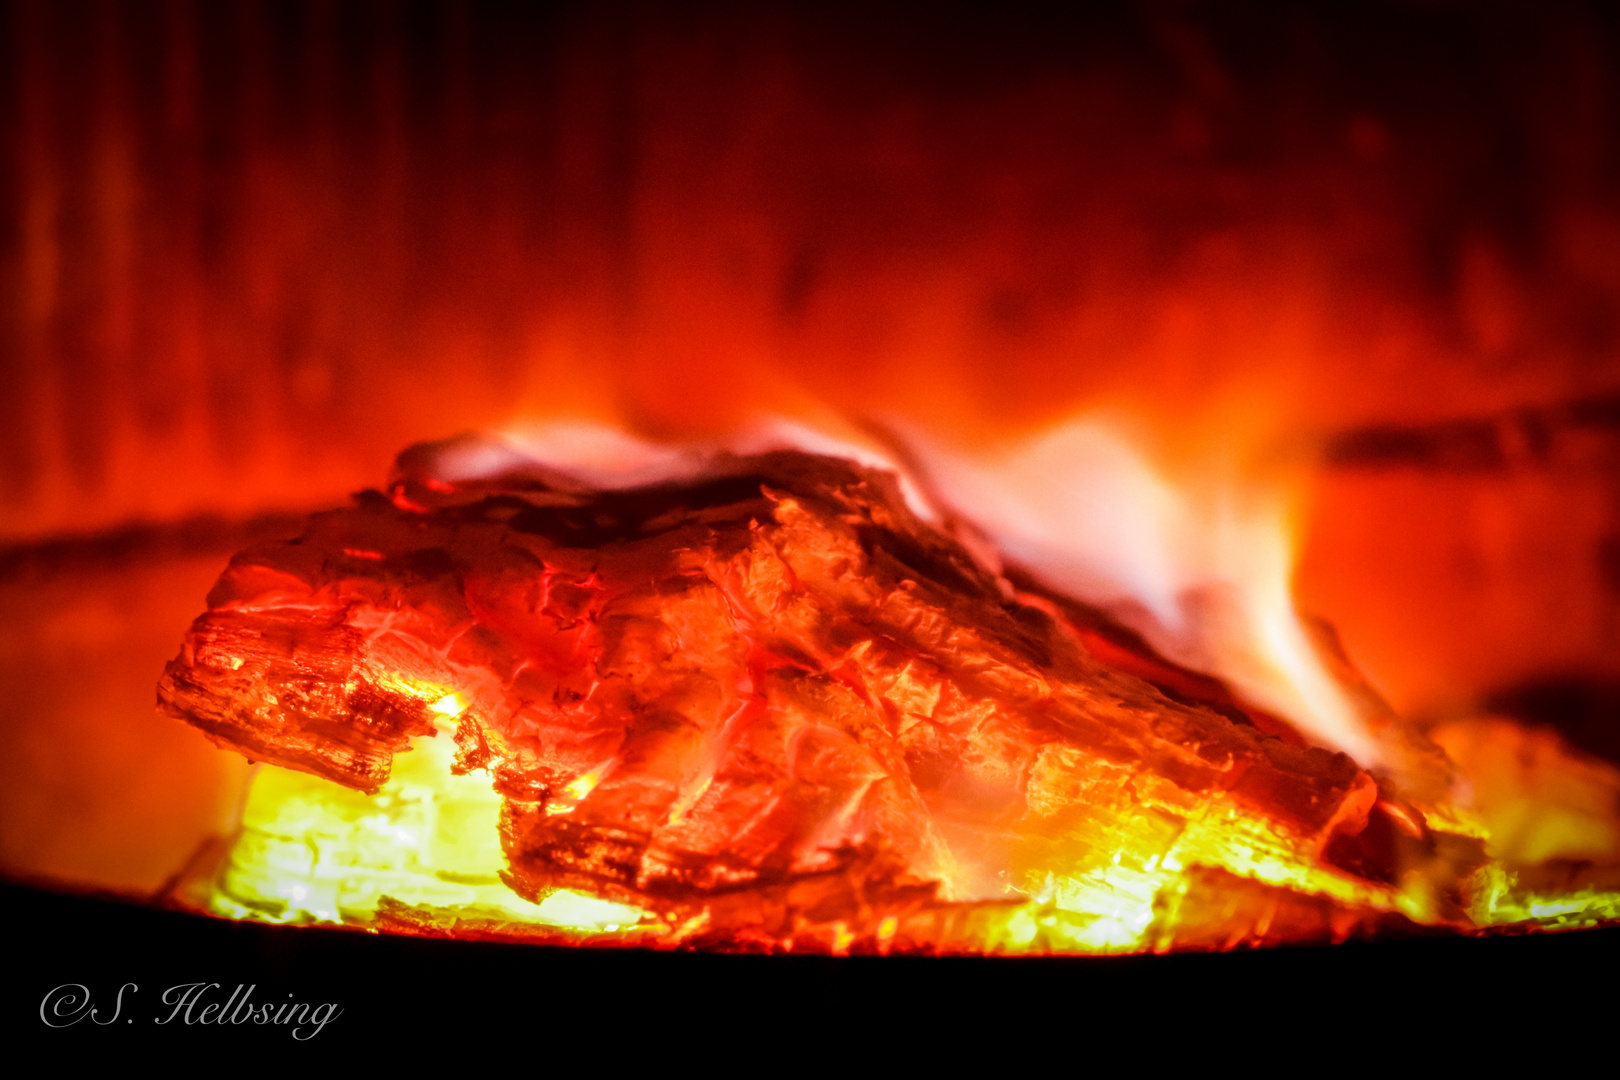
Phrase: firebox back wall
(251, 250)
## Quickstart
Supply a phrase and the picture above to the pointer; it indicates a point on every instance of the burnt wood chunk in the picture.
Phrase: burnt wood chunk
(774, 695)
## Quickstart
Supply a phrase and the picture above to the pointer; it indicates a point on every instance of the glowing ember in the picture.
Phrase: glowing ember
(778, 704)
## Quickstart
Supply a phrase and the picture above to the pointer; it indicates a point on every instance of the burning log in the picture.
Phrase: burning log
(773, 708)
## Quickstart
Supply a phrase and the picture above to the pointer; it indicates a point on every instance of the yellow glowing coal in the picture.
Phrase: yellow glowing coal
(450, 706)
(312, 851)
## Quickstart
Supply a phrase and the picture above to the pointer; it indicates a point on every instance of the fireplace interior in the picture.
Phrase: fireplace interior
(1364, 257)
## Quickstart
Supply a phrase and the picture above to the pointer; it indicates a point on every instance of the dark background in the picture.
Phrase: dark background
(1402, 1003)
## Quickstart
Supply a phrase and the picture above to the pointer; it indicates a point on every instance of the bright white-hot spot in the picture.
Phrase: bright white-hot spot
(1075, 505)
(612, 459)
(449, 706)
(1202, 569)
(593, 454)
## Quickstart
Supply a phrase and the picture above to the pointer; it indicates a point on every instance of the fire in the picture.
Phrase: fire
(1205, 580)
(932, 251)
(1102, 860)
